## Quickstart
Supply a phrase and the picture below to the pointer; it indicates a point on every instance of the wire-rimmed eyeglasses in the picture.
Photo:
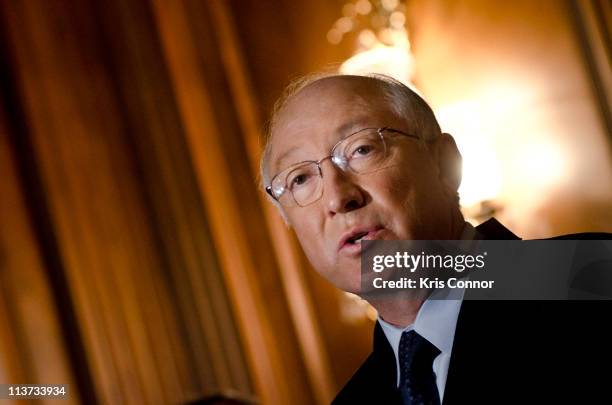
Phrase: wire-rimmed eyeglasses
(361, 152)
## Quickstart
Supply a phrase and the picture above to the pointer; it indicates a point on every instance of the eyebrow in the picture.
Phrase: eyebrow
(284, 156)
(344, 130)
(350, 127)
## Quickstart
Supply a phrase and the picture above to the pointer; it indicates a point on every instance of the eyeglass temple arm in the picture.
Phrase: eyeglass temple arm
(269, 191)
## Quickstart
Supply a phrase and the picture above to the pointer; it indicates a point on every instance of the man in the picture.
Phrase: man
(353, 158)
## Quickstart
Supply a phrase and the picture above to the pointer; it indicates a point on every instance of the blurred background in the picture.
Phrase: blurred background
(140, 262)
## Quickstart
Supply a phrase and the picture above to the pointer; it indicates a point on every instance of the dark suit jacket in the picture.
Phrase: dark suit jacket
(510, 352)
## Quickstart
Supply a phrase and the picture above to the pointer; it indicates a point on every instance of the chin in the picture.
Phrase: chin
(353, 289)
(351, 284)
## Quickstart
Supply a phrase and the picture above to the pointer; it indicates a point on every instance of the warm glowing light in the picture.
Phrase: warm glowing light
(367, 39)
(503, 159)
(344, 24)
(539, 163)
(382, 39)
(481, 180)
(363, 7)
(389, 5)
(481, 173)
(390, 60)
(334, 36)
(397, 19)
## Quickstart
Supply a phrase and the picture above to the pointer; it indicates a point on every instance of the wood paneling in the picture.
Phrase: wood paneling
(32, 346)
(222, 165)
(130, 230)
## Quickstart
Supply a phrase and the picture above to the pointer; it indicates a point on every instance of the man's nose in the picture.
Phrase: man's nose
(340, 193)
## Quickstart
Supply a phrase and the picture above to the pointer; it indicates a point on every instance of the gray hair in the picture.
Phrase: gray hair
(404, 102)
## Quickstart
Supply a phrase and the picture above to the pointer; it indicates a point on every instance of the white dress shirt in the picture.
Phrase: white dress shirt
(436, 321)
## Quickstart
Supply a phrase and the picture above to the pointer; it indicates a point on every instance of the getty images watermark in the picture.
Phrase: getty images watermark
(422, 262)
(489, 269)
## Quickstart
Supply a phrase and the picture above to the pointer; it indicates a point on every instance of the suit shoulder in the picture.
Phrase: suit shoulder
(372, 383)
(357, 384)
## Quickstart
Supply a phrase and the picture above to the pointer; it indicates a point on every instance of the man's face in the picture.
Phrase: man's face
(409, 198)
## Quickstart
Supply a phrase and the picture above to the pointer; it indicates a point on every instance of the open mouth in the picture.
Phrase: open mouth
(352, 241)
(357, 238)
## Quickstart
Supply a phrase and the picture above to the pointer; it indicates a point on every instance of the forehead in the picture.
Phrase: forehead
(327, 97)
(318, 115)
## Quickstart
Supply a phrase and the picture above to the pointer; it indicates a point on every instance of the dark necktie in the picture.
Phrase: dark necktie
(417, 380)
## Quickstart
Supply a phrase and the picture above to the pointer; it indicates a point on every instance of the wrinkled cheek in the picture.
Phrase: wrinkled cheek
(398, 179)
(400, 194)
(310, 254)
(404, 210)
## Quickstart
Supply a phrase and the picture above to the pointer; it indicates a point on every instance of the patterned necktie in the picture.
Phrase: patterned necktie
(417, 380)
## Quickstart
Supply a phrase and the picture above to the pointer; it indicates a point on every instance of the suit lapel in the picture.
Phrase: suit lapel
(384, 359)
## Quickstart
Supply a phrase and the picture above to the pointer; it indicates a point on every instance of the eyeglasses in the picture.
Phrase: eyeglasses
(362, 152)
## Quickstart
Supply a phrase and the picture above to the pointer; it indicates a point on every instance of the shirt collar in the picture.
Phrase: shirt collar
(436, 320)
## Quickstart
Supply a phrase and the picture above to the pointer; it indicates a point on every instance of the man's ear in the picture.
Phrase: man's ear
(449, 161)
